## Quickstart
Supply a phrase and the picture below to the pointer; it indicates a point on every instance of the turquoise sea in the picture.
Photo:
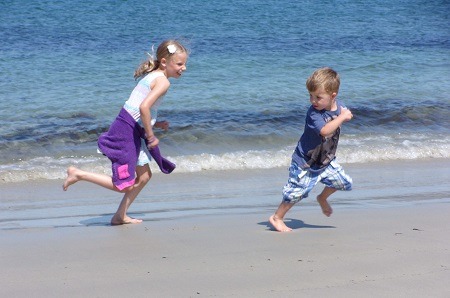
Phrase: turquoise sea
(66, 68)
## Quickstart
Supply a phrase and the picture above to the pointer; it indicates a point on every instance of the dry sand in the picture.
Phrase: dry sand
(370, 250)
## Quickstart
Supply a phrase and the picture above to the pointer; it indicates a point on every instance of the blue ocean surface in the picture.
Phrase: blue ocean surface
(66, 68)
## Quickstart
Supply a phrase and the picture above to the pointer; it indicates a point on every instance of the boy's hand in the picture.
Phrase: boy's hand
(346, 114)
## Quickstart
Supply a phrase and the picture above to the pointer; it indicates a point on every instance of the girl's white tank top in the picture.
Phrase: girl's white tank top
(138, 95)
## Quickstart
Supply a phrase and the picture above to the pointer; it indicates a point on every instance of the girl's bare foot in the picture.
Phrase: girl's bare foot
(326, 208)
(72, 177)
(279, 224)
(116, 220)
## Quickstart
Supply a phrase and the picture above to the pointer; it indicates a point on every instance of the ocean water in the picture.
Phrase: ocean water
(66, 68)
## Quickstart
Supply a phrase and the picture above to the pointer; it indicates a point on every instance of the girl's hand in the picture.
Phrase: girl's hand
(162, 125)
(152, 142)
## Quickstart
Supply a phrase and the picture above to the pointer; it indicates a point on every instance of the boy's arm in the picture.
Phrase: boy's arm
(333, 125)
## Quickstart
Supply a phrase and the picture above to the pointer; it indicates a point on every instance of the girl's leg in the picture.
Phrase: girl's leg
(322, 199)
(74, 175)
(143, 174)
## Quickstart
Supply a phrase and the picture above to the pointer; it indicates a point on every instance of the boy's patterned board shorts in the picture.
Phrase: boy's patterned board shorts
(301, 182)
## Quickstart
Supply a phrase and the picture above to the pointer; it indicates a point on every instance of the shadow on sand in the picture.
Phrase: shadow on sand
(103, 220)
(296, 224)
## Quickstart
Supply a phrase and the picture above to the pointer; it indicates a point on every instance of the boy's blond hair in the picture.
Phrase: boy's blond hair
(325, 78)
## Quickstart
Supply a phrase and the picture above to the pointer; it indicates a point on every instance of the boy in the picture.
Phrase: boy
(313, 159)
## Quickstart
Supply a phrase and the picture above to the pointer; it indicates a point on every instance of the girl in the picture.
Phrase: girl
(122, 143)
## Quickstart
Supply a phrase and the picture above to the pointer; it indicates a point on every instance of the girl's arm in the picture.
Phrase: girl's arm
(159, 88)
(333, 125)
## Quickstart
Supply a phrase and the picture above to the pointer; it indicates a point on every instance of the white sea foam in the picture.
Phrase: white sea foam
(350, 151)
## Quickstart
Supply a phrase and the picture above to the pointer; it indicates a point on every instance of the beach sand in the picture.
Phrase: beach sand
(398, 246)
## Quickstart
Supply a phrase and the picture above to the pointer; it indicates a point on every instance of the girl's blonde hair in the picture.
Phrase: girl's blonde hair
(325, 78)
(165, 50)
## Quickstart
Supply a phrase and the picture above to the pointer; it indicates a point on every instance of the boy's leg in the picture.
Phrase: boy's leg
(143, 174)
(322, 199)
(277, 219)
(334, 179)
(300, 183)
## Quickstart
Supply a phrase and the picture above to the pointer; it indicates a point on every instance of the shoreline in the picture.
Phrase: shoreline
(42, 203)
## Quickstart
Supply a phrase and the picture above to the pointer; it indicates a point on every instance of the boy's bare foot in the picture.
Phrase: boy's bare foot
(116, 220)
(72, 177)
(326, 208)
(279, 224)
